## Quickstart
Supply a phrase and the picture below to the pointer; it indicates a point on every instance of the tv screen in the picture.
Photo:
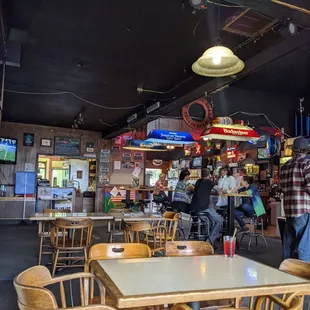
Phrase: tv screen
(197, 162)
(8, 150)
(184, 163)
(262, 154)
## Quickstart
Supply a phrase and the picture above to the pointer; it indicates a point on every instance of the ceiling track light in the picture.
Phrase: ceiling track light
(153, 107)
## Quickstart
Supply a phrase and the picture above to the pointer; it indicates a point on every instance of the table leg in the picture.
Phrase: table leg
(195, 305)
(109, 226)
(151, 197)
(40, 228)
(230, 216)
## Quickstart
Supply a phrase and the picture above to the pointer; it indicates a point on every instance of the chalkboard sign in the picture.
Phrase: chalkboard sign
(67, 146)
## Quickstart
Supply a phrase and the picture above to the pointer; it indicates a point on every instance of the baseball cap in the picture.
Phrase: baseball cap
(300, 144)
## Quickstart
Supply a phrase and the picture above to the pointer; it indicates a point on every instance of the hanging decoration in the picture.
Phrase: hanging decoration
(190, 120)
(230, 132)
(170, 137)
(142, 145)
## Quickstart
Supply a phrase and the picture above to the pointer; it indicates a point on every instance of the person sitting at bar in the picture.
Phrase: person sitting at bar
(183, 193)
(242, 173)
(160, 188)
(200, 204)
(250, 205)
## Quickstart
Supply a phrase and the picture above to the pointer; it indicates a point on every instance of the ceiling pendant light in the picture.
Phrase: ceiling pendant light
(218, 61)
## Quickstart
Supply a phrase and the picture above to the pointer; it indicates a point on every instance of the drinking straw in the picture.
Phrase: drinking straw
(231, 242)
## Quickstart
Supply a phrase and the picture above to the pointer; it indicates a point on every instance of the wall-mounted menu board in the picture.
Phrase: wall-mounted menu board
(67, 146)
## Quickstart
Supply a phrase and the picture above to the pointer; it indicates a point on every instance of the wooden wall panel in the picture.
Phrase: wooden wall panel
(26, 154)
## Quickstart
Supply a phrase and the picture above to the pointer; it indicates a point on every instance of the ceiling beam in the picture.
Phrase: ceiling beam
(266, 57)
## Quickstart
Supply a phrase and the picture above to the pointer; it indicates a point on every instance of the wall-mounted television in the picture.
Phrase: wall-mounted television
(263, 154)
(8, 150)
(184, 163)
(197, 162)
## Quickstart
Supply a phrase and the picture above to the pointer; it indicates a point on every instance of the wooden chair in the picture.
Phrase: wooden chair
(188, 248)
(155, 237)
(289, 302)
(171, 223)
(294, 267)
(70, 237)
(114, 251)
(195, 248)
(45, 235)
(32, 294)
(117, 251)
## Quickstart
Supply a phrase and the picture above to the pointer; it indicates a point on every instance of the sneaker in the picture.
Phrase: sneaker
(243, 230)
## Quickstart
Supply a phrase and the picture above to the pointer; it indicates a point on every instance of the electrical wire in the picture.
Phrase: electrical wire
(270, 122)
(226, 5)
(106, 124)
(77, 97)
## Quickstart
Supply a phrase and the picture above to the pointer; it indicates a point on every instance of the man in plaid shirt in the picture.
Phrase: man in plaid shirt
(295, 184)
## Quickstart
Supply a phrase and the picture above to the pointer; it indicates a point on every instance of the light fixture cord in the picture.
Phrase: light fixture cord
(218, 39)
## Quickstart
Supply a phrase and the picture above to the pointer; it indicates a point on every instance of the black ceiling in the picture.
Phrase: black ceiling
(101, 50)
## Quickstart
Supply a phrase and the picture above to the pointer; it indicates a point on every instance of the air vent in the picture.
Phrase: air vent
(247, 23)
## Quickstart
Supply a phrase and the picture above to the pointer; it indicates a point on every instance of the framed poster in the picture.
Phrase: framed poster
(28, 139)
(67, 146)
(46, 142)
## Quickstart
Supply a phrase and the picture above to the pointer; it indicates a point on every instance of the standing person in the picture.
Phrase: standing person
(226, 184)
(200, 204)
(183, 193)
(295, 185)
(250, 205)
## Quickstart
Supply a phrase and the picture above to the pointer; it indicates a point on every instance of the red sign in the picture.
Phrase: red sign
(208, 114)
(230, 133)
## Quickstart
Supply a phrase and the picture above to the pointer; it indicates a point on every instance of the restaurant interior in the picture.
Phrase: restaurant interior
(143, 150)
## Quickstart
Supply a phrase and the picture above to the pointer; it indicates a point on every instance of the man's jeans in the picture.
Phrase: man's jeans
(297, 234)
(244, 210)
(217, 224)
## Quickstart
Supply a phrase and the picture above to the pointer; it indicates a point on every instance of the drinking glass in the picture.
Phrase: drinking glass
(229, 246)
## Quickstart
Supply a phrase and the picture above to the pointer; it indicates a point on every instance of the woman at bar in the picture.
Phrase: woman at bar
(160, 188)
(183, 193)
(250, 205)
(226, 184)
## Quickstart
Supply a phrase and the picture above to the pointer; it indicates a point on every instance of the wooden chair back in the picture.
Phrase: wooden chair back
(132, 230)
(32, 294)
(69, 233)
(296, 267)
(188, 248)
(171, 223)
(288, 302)
(155, 237)
(117, 251)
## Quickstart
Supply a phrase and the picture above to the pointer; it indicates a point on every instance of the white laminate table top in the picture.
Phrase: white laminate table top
(54, 215)
(180, 276)
(136, 218)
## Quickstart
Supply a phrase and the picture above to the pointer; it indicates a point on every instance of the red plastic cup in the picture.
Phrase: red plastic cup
(229, 246)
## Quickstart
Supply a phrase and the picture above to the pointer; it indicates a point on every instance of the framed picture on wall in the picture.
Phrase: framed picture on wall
(28, 139)
(46, 142)
(67, 146)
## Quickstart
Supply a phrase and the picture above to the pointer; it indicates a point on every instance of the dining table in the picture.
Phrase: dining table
(49, 217)
(191, 279)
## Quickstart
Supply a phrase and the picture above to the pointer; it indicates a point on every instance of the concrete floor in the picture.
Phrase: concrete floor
(19, 251)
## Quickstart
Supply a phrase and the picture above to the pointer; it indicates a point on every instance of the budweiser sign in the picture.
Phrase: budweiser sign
(234, 132)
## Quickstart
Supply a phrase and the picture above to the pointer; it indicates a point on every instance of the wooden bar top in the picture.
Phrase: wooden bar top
(17, 199)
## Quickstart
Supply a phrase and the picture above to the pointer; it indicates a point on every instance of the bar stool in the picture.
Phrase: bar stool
(200, 229)
(256, 229)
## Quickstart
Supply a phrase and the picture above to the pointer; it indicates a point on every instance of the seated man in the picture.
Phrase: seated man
(250, 205)
(200, 204)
